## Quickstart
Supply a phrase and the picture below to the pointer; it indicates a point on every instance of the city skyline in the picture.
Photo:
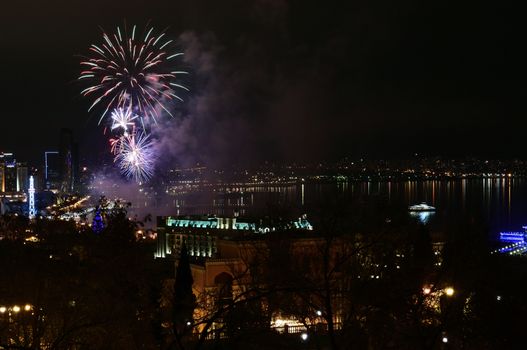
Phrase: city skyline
(262, 174)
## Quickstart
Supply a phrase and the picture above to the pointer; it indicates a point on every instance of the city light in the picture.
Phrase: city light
(31, 191)
(270, 175)
(512, 236)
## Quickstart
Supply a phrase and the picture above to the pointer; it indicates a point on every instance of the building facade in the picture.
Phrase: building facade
(200, 233)
(14, 177)
(22, 177)
(52, 170)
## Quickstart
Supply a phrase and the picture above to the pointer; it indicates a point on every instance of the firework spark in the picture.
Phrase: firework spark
(116, 144)
(123, 119)
(136, 157)
(134, 73)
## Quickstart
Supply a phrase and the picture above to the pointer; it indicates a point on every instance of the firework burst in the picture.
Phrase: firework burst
(133, 72)
(123, 119)
(136, 156)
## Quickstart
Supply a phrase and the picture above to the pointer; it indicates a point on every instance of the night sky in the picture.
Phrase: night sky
(284, 80)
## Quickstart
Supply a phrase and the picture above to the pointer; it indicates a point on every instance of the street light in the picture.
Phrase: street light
(449, 291)
(27, 307)
(304, 336)
(16, 308)
(3, 309)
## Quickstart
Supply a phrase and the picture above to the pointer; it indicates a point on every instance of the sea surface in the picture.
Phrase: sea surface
(500, 204)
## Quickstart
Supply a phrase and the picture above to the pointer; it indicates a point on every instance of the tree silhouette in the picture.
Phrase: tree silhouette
(184, 300)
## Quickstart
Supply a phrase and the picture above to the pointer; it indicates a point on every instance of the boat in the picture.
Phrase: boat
(421, 207)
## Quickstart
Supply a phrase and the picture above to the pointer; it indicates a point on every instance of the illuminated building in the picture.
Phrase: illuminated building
(22, 177)
(14, 182)
(12, 176)
(227, 276)
(9, 175)
(201, 233)
(2, 177)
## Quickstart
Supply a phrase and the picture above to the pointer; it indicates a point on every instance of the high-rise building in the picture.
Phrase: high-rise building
(2, 177)
(10, 177)
(9, 172)
(13, 176)
(68, 161)
(13, 179)
(22, 177)
(75, 166)
(52, 170)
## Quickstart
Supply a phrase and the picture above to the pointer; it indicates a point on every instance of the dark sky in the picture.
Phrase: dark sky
(284, 80)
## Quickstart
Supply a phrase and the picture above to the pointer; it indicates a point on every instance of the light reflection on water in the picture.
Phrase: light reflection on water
(500, 202)
(422, 216)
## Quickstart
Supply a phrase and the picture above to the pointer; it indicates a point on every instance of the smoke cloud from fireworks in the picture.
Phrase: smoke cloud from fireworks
(238, 107)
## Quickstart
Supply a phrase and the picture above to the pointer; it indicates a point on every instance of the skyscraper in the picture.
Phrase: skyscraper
(68, 161)
(2, 176)
(8, 174)
(22, 177)
(52, 170)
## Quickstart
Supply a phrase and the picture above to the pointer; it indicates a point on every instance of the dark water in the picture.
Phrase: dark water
(499, 203)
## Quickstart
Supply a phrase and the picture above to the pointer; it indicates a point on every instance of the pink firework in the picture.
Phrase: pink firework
(133, 72)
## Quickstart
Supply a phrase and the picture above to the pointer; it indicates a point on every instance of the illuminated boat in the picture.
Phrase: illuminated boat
(513, 236)
(421, 207)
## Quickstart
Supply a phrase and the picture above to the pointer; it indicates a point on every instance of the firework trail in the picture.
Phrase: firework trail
(116, 144)
(134, 73)
(136, 158)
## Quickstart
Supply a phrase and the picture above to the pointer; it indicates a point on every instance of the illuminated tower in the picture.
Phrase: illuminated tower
(32, 210)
